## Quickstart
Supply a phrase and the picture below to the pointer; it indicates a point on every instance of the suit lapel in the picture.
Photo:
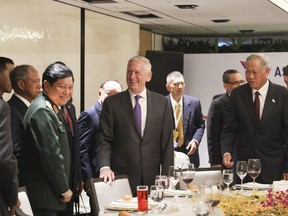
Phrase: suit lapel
(186, 112)
(270, 99)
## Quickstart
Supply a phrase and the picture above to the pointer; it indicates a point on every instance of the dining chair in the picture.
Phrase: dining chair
(102, 193)
(211, 176)
(25, 208)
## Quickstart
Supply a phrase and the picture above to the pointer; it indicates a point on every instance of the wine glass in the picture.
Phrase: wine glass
(174, 177)
(187, 173)
(227, 177)
(161, 180)
(157, 194)
(241, 170)
(254, 169)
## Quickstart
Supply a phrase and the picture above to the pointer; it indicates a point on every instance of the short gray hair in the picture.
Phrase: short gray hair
(146, 61)
(264, 60)
(173, 75)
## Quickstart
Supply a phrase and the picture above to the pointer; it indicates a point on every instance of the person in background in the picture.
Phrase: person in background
(8, 164)
(88, 123)
(189, 124)
(285, 75)
(231, 79)
(135, 133)
(46, 154)
(25, 82)
(262, 131)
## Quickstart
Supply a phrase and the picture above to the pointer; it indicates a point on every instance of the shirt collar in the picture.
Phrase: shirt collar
(143, 94)
(263, 90)
(25, 101)
(174, 103)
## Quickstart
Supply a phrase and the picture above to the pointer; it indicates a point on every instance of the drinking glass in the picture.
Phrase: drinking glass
(241, 170)
(187, 173)
(162, 180)
(227, 177)
(254, 169)
(174, 177)
(157, 194)
(142, 197)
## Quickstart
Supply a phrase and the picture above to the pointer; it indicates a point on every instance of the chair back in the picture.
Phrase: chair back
(25, 208)
(103, 193)
(212, 176)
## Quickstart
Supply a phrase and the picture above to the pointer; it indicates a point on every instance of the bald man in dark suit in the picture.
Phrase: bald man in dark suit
(125, 148)
(265, 137)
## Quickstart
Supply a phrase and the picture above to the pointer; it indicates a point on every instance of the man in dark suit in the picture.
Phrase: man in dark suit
(263, 136)
(46, 154)
(88, 123)
(188, 134)
(8, 163)
(231, 79)
(25, 82)
(135, 146)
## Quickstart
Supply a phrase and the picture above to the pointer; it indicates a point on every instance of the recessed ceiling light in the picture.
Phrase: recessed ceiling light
(221, 20)
(190, 6)
(246, 31)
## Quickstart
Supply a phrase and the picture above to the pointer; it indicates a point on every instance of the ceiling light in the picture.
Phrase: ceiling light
(191, 6)
(246, 31)
(221, 20)
(283, 4)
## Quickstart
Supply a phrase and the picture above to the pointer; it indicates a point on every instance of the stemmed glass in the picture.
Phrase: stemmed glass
(174, 177)
(254, 169)
(241, 170)
(187, 173)
(157, 194)
(161, 180)
(227, 177)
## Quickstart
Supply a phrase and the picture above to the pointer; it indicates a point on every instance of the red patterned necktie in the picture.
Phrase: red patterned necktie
(257, 105)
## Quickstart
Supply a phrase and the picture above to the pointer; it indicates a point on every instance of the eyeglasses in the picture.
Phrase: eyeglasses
(236, 82)
(284, 74)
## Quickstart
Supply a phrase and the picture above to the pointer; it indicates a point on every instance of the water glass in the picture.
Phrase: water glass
(162, 180)
(227, 177)
(142, 196)
(241, 170)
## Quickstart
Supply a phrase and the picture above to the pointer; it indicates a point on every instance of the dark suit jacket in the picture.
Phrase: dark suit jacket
(193, 124)
(266, 139)
(45, 156)
(121, 146)
(18, 110)
(76, 173)
(215, 124)
(8, 163)
(88, 123)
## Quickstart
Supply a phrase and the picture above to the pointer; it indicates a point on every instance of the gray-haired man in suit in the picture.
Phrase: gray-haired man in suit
(125, 148)
(263, 136)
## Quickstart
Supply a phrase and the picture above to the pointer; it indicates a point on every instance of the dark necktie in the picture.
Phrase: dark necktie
(137, 112)
(257, 105)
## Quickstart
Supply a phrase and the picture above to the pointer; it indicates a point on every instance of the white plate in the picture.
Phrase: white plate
(132, 205)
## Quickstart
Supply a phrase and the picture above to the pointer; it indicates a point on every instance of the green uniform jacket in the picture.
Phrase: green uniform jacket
(45, 159)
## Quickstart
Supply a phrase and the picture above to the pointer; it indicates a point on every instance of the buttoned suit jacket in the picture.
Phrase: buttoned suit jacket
(193, 124)
(8, 163)
(215, 124)
(88, 123)
(45, 156)
(121, 146)
(18, 109)
(265, 140)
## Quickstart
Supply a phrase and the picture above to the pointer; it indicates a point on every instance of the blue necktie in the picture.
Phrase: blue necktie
(137, 112)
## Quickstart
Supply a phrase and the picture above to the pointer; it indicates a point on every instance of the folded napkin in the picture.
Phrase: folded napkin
(170, 192)
(258, 186)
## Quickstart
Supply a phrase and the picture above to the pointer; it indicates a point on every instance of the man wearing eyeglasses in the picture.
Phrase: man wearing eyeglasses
(231, 80)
